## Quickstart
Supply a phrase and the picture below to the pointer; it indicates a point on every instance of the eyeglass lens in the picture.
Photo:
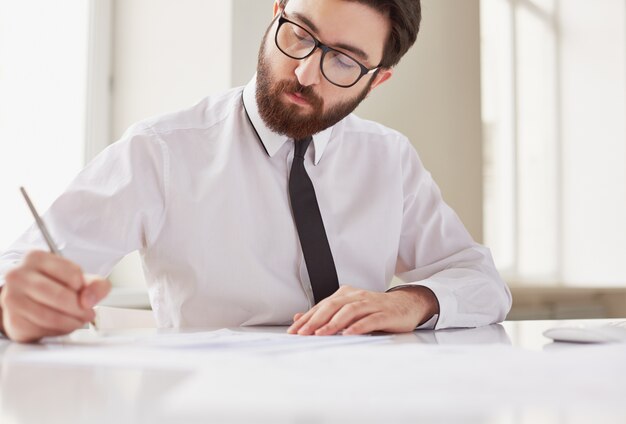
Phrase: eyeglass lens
(337, 67)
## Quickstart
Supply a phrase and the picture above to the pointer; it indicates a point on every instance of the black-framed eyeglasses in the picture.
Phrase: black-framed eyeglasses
(338, 68)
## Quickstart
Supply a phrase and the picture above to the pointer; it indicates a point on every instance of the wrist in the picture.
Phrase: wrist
(424, 300)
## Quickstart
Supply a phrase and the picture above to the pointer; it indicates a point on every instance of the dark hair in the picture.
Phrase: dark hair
(405, 17)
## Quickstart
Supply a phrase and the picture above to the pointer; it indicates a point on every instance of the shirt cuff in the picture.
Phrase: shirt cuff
(430, 324)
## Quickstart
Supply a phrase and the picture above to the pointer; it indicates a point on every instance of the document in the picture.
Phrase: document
(181, 350)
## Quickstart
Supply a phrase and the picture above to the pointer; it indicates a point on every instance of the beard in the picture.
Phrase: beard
(289, 119)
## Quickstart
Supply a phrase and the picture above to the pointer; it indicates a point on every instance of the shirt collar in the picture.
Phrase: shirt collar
(274, 141)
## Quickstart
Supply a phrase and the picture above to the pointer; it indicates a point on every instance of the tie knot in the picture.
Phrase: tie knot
(301, 146)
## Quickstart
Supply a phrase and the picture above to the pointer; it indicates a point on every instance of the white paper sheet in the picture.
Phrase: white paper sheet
(181, 350)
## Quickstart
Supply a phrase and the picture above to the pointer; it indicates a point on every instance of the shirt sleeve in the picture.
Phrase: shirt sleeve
(114, 206)
(437, 252)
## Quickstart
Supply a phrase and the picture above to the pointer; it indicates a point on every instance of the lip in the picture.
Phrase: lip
(297, 99)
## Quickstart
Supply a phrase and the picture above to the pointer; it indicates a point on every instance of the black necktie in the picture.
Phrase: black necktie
(306, 213)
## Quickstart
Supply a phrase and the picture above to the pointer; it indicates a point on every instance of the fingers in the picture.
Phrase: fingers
(348, 314)
(47, 318)
(356, 311)
(96, 289)
(27, 321)
(320, 315)
(47, 295)
(317, 316)
(55, 267)
(56, 296)
(367, 324)
(23, 331)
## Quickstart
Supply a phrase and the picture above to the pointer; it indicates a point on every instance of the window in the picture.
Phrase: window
(554, 108)
(45, 84)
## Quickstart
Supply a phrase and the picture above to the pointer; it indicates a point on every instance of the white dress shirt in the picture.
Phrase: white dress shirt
(205, 201)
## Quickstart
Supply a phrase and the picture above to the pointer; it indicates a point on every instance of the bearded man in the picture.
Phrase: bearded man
(269, 204)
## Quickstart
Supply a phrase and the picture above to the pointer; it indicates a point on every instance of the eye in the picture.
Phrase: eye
(344, 62)
(302, 35)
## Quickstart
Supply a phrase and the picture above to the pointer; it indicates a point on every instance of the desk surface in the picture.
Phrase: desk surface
(505, 373)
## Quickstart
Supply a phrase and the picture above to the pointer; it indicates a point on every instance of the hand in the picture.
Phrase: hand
(357, 311)
(47, 295)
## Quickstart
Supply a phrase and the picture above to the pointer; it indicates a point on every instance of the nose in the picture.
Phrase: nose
(308, 70)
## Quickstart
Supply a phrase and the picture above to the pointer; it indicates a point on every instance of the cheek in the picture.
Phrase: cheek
(284, 67)
(358, 88)
(334, 95)
(281, 66)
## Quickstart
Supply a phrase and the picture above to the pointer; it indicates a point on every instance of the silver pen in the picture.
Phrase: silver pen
(44, 231)
(42, 227)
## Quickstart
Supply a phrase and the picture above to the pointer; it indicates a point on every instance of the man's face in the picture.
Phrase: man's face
(293, 96)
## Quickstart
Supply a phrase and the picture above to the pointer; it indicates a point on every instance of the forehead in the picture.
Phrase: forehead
(343, 23)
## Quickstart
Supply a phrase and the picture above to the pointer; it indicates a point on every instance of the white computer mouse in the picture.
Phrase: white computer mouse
(603, 333)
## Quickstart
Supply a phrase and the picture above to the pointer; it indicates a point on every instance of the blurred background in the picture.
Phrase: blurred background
(517, 107)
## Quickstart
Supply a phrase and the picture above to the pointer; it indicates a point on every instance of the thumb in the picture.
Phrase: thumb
(95, 289)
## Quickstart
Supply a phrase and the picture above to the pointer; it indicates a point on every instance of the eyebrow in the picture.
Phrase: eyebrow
(354, 50)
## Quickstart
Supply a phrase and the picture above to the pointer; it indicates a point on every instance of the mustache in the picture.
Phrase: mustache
(306, 92)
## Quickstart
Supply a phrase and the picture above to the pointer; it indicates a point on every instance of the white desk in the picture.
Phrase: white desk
(421, 377)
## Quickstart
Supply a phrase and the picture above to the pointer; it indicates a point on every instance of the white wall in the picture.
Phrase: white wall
(251, 18)
(167, 55)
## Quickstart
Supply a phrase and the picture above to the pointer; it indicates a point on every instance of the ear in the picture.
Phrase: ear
(276, 8)
(383, 75)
